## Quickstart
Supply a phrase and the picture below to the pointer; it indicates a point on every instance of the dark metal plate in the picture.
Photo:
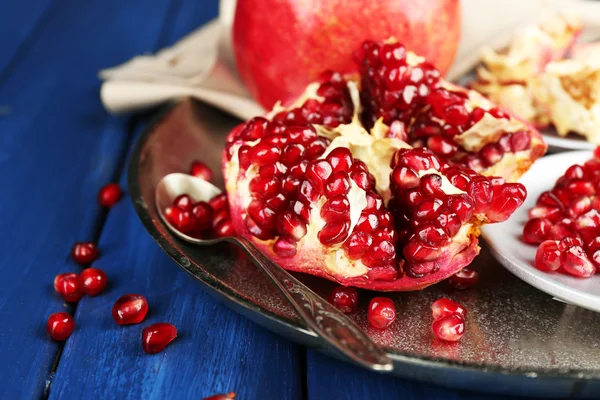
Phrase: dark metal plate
(518, 339)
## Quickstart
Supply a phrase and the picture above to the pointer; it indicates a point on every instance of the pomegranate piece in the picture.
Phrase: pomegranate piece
(449, 328)
(69, 287)
(84, 253)
(130, 309)
(201, 170)
(344, 299)
(157, 336)
(464, 279)
(223, 396)
(109, 195)
(444, 307)
(60, 325)
(381, 313)
(93, 281)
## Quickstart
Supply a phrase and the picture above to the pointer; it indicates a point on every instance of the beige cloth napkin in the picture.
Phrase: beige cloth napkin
(201, 65)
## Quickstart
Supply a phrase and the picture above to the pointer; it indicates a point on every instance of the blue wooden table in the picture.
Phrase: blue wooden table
(58, 146)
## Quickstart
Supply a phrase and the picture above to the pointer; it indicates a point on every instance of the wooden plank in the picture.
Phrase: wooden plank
(57, 148)
(216, 351)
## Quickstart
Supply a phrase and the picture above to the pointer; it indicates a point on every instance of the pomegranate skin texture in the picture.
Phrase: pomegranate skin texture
(282, 45)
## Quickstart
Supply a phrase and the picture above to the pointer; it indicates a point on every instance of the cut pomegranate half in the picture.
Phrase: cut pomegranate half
(364, 209)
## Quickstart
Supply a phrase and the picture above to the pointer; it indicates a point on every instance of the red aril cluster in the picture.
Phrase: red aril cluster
(381, 313)
(565, 223)
(330, 106)
(157, 336)
(60, 326)
(202, 220)
(448, 320)
(344, 299)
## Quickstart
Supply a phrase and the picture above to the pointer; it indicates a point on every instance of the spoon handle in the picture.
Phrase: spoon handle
(320, 316)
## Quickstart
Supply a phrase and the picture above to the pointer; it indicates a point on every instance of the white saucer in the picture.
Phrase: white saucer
(518, 257)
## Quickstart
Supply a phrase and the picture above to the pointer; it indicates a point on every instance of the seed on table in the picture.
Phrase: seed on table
(157, 336)
(109, 195)
(60, 325)
(84, 252)
(93, 281)
(130, 309)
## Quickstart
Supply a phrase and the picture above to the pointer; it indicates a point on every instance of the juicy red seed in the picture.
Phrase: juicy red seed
(344, 299)
(477, 114)
(333, 233)
(392, 54)
(458, 178)
(340, 159)
(130, 309)
(223, 396)
(550, 213)
(338, 183)
(504, 203)
(277, 203)
(157, 336)
(109, 195)
(442, 146)
(380, 254)
(183, 221)
(264, 154)
(204, 215)
(316, 148)
(464, 279)
(358, 244)
(449, 328)
(254, 129)
(560, 230)
(302, 210)
(224, 228)
(201, 170)
(297, 171)
(444, 307)
(462, 205)
(491, 153)
(261, 214)
(433, 235)
(60, 325)
(481, 192)
(258, 231)
(597, 152)
(69, 287)
(536, 230)
(575, 262)
(416, 251)
(290, 186)
(307, 193)
(374, 201)
(382, 312)
(219, 217)
(219, 202)
(404, 177)
(362, 179)
(547, 257)
(367, 222)
(292, 154)
(456, 114)
(450, 223)
(302, 133)
(428, 209)
(431, 184)
(569, 242)
(244, 156)
(520, 141)
(291, 225)
(581, 187)
(93, 281)
(317, 173)
(84, 252)
(336, 209)
(183, 202)
(285, 248)
(497, 113)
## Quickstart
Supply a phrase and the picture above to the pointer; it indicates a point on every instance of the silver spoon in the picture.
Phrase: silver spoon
(319, 316)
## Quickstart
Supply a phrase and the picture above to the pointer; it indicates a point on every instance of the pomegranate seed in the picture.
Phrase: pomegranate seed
(68, 286)
(183, 221)
(449, 328)
(285, 248)
(575, 262)
(462, 205)
(547, 257)
(317, 173)
(336, 209)
(536, 230)
(60, 325)
(224, 228)
(84, 253)
(93, 281)
(442, 146)
(130, 309)
(520, 141)
(382, 312)
(444, 307)
(291, 225)
(597, 152)
(225, 396)
(464, 279)
(219, 202)
(358, 244)
(109, 195)
(340, 159)
(344, 299)
(338, 183)
(157, 336)
(204, 215)
(201, 170)
(183, 202)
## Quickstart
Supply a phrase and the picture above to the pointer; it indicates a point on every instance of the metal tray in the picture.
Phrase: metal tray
(518, 340)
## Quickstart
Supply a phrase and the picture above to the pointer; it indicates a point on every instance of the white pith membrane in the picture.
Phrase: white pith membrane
(570, 90)
(507, 76)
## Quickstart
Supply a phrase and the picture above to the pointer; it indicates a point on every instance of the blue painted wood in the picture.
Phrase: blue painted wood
(57, 148)
(216, 351)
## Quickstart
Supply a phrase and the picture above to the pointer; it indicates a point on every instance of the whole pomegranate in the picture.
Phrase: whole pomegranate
(383, 187)
(282, 45)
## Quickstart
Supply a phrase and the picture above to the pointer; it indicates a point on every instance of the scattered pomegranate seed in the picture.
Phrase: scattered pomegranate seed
(130, 309)
(547, 257)
(449, 328)
(157, 336)
(109, 195)
(201, 170)
(464, 279)
(183, 202)
(60, 325)
(183, 221)
(344, 299)
(382, 312)
(223, 396)
(204, 214)
(84, 253)
(445, 306)
(93, 281)
(68, 286)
